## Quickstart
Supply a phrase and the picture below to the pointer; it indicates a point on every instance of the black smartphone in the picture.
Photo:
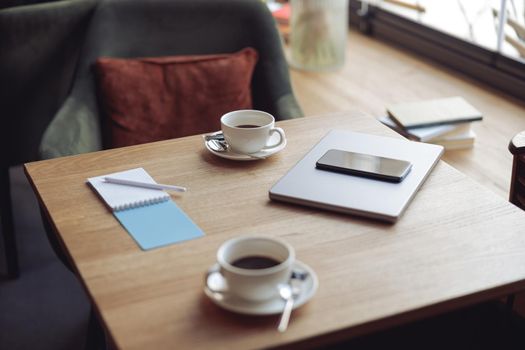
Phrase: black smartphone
(366, 165)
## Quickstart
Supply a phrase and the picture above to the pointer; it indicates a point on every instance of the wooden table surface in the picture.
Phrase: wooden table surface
(376, 75)
(456, 244)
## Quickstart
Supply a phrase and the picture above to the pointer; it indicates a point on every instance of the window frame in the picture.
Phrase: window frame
(489, 67)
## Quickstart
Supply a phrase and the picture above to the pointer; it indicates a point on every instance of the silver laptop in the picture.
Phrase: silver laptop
(306, 185)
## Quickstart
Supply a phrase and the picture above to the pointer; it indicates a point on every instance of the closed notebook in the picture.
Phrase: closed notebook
(428, 133)
(150, 216)
(456, 141)
(450, 110)
(450, 136)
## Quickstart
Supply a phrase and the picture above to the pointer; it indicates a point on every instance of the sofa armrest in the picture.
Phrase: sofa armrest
(75, 129)
(288, 108)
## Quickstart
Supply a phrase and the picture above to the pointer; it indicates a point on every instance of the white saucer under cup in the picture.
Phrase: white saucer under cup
(232, 155)
(250, 271)
(249, 131)
(272, 306)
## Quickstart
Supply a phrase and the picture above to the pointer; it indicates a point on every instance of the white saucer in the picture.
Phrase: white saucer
(229, 154)
(273, 306)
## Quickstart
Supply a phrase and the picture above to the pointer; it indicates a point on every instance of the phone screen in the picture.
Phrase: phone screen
(366, 165)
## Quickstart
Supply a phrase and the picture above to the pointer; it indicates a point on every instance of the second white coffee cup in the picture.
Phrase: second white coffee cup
(249, 131)
(253, 267)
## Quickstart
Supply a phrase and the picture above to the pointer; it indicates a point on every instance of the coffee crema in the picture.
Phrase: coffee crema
(247, 126)
(255, 262)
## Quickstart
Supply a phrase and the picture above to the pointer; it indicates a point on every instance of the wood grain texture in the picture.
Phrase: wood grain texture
(456, 244)
(376, 75)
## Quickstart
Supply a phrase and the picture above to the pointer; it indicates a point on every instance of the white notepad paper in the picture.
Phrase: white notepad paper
(120, 197)
(149, 216)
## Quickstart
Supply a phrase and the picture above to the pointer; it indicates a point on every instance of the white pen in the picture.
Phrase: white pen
(144, 184)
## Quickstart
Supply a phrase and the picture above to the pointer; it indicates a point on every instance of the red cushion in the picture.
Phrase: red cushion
(151, 99)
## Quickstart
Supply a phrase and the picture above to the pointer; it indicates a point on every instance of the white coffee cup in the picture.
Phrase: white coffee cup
(248, 130)
(236, 259)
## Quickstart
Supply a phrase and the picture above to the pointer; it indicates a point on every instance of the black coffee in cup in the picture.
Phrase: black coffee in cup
(253, 266)
(255, 262)
(246, 126)
(250, 131)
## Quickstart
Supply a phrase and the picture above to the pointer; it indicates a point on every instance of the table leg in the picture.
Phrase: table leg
(8, 230)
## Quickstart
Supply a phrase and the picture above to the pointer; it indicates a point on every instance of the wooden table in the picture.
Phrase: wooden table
(457, 244)
(376, 75)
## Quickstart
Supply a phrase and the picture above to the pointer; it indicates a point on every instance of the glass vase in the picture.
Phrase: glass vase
(318, 34)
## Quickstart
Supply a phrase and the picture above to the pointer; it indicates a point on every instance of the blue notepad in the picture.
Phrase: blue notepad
(149, 215)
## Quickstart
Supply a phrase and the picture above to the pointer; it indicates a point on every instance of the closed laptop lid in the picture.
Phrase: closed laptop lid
(306, 185)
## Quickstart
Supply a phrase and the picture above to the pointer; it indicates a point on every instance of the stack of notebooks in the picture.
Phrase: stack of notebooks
(446, 122)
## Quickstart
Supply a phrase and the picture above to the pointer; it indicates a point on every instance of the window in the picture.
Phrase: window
(462, 34)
